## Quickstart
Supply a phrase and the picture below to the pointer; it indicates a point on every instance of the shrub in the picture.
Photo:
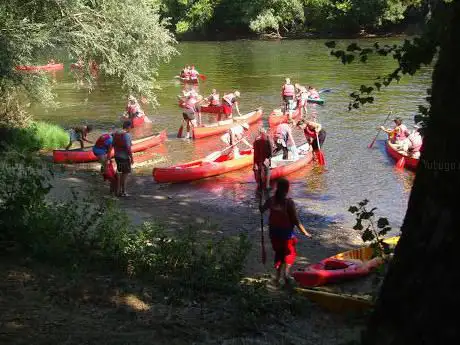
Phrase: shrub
(51, 136)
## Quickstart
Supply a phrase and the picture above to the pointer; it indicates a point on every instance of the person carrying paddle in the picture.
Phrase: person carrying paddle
(123, 156)
(398, 134)
(228, 101)
(263, 149)
(102, 148)
(284, 140)
(79, 134)
(234, 135)
(214, 98)
(311, 130)
(282, 220)
(288, 93)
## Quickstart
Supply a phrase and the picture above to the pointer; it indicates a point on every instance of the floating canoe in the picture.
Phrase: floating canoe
(281, 167)
(48, 67)
(410, 162)
(316, 100)
(277, 117)
(223, 126)
(188, 80)
(199, 169)
(87, 155)
(343, 266)
(206, 108)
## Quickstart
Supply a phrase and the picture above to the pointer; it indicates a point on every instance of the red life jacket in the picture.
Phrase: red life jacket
(101, 141)
(288, 90)
(119, 140)
(309, 133)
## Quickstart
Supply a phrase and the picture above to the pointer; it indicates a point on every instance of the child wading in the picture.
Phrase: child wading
(283, 217)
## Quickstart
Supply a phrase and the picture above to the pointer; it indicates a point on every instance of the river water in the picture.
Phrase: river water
(257, 69)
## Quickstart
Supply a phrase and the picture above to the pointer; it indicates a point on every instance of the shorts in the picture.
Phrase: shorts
(285, 251)
(74, 136)
(99, 151)
(188, 115)
(227, 109)
(123, 165)
(288, 98)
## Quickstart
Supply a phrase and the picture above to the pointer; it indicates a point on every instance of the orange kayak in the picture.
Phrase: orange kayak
(199, 169)
(277, 117)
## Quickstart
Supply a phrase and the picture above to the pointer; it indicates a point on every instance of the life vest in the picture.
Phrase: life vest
(288, 90)
(119, 140)
(309, 133)
(100, 142)
(230, 98)
(416, 142)
(215, 99)
(279, 216)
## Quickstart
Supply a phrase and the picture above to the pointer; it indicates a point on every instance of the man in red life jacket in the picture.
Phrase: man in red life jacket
(228, 101)
(288, 93)
(123, 156)
(263, 149)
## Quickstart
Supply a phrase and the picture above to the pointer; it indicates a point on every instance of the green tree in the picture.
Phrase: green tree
(126, 39)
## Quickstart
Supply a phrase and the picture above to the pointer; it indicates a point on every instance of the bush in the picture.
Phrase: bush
(37, 136)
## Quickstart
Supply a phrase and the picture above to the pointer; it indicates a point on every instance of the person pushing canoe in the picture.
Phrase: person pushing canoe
(263, 149)
(311, 130)
(228, 101)
(234, 135)
(284, 140)
(79, 134)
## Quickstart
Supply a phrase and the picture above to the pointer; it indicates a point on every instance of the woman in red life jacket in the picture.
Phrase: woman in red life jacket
(311, 130)
(263, 149)
(228, 101)
(398, 134)
(288, 93)
(282, 220)
(214, 98)
(123, 156)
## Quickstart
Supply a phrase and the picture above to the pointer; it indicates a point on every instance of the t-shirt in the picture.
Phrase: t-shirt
(122, 152)
(262, 149)
(283, 131)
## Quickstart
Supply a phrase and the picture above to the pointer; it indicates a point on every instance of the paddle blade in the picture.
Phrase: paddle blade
(400, 163)
(179, 132)
(371, 144)
(320, 156)
(202, 77)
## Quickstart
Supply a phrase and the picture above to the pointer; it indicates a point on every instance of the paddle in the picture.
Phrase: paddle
(262, 240)
(213, 156)
(400, 163)
(320, 155)
(378, 132)
(202, 77)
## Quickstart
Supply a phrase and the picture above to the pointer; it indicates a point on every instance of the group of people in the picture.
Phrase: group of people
(296, 97)
(405, 141)
(189, 73)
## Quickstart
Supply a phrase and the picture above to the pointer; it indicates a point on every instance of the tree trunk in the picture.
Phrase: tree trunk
(420, 297)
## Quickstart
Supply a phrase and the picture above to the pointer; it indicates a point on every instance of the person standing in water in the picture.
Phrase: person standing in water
(282, 220)
(263, 149)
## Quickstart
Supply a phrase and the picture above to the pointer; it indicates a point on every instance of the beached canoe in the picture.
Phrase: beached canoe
(410, 162)
(210, 109)
(48, 67)
(343, 266)
(316, 100)
(281, 167)
(223, 126)
(277, 117)
(199, 169)
(87, 155)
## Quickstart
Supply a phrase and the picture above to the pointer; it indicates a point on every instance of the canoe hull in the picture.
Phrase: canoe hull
(51, 67)
(210, 109)
(290, 167)
(207, 131)
(85, 156)
(410, 163)
(274, 119)
(198, 169)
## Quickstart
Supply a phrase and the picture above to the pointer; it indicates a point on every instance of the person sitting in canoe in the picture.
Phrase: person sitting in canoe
(302, 99)
(281, 222)
(102, 148)
(194, 74)
(214, 98)
(133, 109)
(228, 101)
(234, 135)
(189, 114)
(313, 93)
(183, 73)
(263, 149)
(398, 134)
(413, 143)
(288, 93)
(80, 134)
(311, 130)
(123, 156)
(284, 141)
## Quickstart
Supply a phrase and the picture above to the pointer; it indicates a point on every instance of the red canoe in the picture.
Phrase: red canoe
(211, 109)
(87, 155)
(277, 117)
(223, 126)
(282, 167)
(188, 80)
(48, 67)
(410, 162)
(199, 169)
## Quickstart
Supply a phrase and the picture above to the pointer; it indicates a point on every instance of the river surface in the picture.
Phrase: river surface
(257, 69)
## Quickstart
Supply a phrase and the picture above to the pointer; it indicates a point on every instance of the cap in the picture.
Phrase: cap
(237, 93)
(245, 125)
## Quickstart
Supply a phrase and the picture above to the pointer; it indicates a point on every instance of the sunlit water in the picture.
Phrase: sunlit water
(257, 69)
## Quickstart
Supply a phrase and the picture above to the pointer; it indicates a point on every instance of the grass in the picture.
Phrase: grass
(50, 136)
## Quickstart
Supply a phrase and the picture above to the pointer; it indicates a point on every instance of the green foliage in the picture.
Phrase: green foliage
(50, 136)
(265, 21)
(372, 231)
